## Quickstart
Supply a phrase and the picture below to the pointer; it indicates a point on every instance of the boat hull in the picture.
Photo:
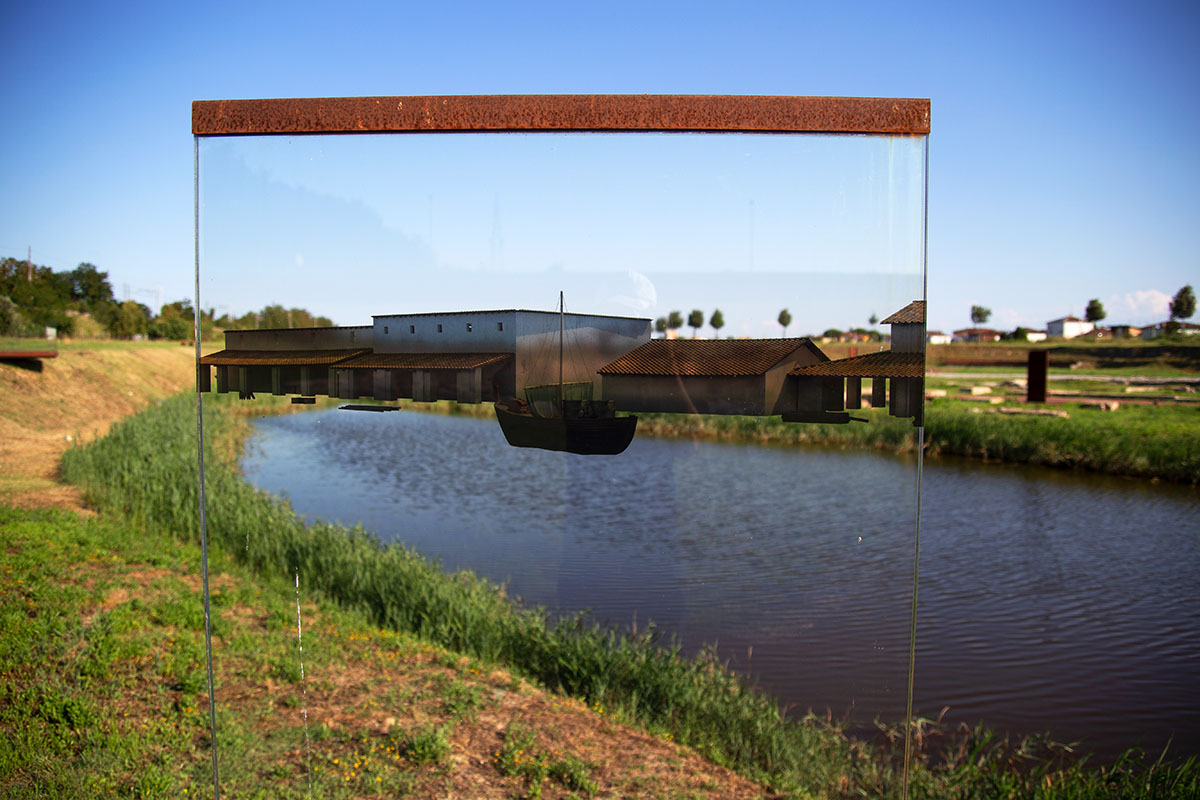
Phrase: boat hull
(608, 436)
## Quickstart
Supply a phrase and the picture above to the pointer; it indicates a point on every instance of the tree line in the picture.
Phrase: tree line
(1182, 306)
(674, 321)
(695, 320)
(80, 302)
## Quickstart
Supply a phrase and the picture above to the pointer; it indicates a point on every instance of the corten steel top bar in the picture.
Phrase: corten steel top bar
(561, 112)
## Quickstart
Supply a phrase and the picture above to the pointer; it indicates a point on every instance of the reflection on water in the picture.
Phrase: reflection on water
(1049, 601)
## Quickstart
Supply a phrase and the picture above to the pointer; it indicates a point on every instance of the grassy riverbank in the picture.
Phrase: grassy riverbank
(144, 474)
(1145, 441)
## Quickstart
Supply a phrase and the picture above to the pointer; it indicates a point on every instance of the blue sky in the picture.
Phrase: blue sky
(1062, 159)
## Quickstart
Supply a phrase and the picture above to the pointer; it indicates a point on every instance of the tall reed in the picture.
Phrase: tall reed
(1141, 441)
(146, 469)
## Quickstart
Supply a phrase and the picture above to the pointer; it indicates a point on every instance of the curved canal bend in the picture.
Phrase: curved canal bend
(1049, 601)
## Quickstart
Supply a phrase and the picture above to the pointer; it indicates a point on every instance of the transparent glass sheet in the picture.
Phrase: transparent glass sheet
(794, 559)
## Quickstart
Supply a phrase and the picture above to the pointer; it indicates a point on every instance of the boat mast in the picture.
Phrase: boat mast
(561, 314)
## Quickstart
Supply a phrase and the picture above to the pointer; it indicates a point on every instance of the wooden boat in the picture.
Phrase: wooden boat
(585, 426)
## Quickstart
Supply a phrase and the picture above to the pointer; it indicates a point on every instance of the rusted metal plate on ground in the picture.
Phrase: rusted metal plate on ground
(511, 113)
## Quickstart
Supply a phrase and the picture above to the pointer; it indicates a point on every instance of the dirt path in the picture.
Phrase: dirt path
(77, 395)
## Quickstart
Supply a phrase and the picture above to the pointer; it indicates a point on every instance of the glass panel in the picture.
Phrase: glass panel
(763, 505)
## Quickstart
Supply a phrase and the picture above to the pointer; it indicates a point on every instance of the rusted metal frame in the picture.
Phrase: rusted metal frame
(563, 113)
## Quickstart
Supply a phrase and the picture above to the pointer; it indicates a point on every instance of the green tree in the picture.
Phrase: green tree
(300, 318)
(179, 308)
(832, 333)
(41, 293)
(246, 322)
(130, 319)
(660, 325)
(273, 316)
(874, 320)
(980, 314)
(1183, 305)
(785, 319)
(176, 327)
(717, 321)
(674, 321)
(1095, 311)
(696, 320)
(12, 321)
(90, 286)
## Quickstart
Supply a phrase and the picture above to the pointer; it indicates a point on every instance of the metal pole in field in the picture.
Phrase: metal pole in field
(562, 310)
(1036, 377)
(212, 706)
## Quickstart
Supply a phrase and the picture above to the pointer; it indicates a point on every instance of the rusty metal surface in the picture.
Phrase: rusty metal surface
(1036, 376)
(911, 313)
(499, 113)
(887, 364)
(707, 357)
(279, 358)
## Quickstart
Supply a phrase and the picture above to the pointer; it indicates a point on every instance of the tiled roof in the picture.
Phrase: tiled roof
(279, 358)
(887, 364)
(500, 311)
(424, 360)
(913, 312)
(707, 357)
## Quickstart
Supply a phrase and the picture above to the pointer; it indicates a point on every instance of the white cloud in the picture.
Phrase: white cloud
(1134, 308)
(642, 294)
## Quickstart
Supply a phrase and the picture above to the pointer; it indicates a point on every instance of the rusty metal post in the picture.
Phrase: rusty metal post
(878, 392)
(853, 393)
(1039, 368)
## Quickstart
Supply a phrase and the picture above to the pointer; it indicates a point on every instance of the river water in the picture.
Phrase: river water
(1049, 601)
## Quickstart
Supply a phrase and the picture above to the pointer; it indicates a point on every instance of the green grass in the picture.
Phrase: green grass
(103, 688)
(521, 755)
(1139, 440)
(27, 344)
(1149, 370)
(144, 471)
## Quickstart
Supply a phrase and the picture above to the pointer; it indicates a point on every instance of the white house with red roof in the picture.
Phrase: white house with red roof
(1068, 327)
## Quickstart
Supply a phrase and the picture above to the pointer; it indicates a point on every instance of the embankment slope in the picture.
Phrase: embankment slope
(81, 393)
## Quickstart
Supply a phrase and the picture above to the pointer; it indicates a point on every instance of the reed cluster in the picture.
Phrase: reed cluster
(1142, 441)
(146, 469)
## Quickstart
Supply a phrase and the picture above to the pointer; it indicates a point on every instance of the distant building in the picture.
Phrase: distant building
(977, 335)
(1098, 333)
(1125, 332)
(1067, 327)
(1160, 329)
(819, 392)
(1035, 336)
(468, 356)
(937, 337)
(706, 376)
